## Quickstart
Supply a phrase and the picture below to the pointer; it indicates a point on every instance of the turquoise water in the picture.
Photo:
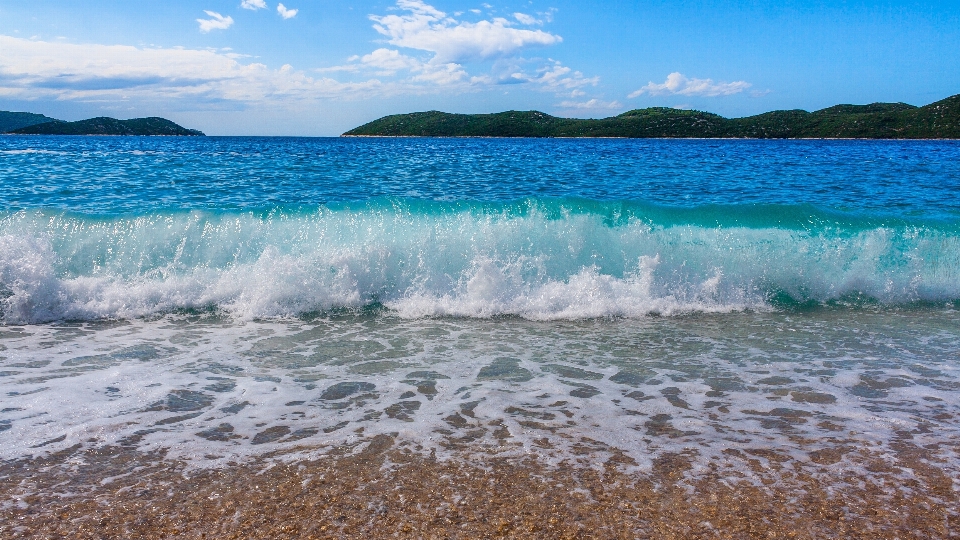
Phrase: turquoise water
(128, 227)
(222, 297)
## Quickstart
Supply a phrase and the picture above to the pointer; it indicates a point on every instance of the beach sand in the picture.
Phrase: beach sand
(382, 488)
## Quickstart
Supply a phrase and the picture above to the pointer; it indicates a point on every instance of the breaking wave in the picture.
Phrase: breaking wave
(538, 259)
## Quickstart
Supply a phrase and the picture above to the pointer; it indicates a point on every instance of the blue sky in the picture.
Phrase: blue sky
(320, 67)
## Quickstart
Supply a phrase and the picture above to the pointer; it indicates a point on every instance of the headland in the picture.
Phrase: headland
(940, 120)
(20, 123)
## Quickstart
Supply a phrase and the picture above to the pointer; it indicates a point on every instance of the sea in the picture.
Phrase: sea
(216, 300)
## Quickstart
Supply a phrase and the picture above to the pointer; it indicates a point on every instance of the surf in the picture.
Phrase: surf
(535, 258)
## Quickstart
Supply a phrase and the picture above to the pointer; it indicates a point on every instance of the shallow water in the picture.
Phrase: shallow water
(224, 299)
(211, 390)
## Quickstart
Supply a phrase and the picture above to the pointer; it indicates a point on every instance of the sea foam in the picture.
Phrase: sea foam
(534, 259)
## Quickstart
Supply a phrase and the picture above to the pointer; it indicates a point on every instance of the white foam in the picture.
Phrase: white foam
(707, 383)
(462, 263)
(26, 151)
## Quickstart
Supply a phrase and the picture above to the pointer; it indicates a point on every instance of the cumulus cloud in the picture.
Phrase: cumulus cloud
(443, 74)
(679, 84)
(551, 76)
(286, 13)
(523, 18)
(426, 28)
(591, 104)
(390, 61)
(559, 78)
(215, 22)
(444, 45)
(85, 72)
(432, 53)
(253, 4)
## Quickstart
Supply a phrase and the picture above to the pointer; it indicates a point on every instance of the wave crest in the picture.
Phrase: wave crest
(455, 259)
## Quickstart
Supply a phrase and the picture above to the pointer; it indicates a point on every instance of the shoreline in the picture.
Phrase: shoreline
(388, 490)
(247, 437)
(345, 136)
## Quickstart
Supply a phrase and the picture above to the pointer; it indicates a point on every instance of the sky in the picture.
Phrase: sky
(322, 67)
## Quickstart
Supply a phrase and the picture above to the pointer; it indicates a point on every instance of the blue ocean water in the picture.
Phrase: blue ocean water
(645, 295)
(123, 227)
(122, 176)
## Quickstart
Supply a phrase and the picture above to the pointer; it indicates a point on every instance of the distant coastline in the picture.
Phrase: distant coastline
(939, 120)
(23, 123)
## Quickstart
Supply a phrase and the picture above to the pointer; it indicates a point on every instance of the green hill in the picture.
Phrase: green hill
(940, 120)
(108, 126)
(10, 121)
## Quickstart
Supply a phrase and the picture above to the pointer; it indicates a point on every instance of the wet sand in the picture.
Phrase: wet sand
(383, 488)
(752, 425)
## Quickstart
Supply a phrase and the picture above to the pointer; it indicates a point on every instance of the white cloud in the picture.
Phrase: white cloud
(383, 62)
(85, 72)
(349, 68)
(425, 58)
(442, 74)
(560, 78)
(390, 61)
(286, 13)
(679, 84)
(253, 4)
(523, 18)
(215, 22)
(446, 44)
(426, 28)
(591, 104)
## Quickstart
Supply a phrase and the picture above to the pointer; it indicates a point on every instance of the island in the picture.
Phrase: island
(29, 125)
(940, 120)
(10, 121)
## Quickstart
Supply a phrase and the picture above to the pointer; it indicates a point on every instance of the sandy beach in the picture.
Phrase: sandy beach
(379, 489)
(479, 339)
